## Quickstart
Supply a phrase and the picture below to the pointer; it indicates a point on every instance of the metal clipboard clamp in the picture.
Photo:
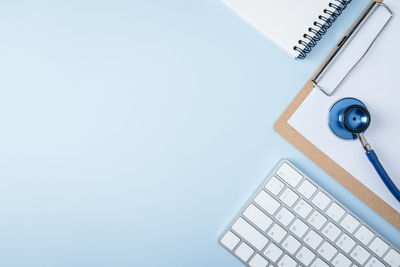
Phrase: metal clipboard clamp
(352, 48)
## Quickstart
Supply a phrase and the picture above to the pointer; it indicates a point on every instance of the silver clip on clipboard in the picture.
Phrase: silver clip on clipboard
(352, 48)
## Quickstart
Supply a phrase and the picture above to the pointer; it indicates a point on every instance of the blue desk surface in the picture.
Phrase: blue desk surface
(133, 131)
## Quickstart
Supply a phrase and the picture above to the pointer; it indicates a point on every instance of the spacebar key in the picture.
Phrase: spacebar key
(248, 232)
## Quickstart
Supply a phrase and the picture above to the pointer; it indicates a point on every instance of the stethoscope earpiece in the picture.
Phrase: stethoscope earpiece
(348, 119)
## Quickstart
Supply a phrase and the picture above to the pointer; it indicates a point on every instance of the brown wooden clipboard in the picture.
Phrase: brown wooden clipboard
(283, 128)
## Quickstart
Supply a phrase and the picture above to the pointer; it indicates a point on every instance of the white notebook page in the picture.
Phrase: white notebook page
(282, 21)
(376, 82)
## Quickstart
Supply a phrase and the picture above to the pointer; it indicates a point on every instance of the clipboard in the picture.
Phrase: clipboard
(283, 128)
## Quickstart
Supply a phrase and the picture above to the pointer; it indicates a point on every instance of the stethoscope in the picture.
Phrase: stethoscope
(349, 118)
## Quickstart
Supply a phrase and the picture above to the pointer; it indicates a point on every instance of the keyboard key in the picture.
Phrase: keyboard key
(360, 254)
(341, 261)
(290, 175)
(291, 244)
(327, 251)
(289, 197)
(317, 220)
(378, 246)
(287, 261)
(335, 212)
(374, 262)
(313, 239)
(393, 258)
(244, 252)
(272, 252)
(251, 234)
(277, 233)
(230, 240)
(307, 189)
(319, 263)
(364, 235)
(349, 223)
(258, 261)
(331, 231)
(346, 243)
(274, 185)
(256, 216)
(305, 256)
(267, 202)
(299, 228)
(303, 208)
(321, 200)
(284, 216)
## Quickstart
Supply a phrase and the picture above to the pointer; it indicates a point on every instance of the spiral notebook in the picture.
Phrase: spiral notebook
(304, 24)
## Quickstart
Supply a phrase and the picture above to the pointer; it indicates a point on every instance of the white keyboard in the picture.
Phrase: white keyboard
(291, 221)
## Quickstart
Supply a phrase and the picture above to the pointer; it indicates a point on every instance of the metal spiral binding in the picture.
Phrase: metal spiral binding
(320, 27)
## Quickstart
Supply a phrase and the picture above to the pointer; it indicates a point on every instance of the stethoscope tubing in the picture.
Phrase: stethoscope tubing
(353, 129)
(373, 158)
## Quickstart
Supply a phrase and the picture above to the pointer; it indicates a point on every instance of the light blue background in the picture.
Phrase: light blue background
(133, 131)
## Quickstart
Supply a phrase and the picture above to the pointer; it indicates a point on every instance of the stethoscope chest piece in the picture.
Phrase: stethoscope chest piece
(349, 117)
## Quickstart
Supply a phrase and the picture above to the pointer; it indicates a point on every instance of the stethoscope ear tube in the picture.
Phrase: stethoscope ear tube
(373, 158)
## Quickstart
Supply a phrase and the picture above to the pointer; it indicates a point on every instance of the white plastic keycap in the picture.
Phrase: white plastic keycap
(374, 262)
(256, 216)
(378, 246)
(341, 261)
(277, 233)
(284, 216)
(272, 252)
(289, 197)
(290, 175)
(327, 251)
(360, 254)
(307, 189)
(335, 212)
(299, 228)
(331, 231)
(349, 223)
(230, 240)
(345, 242)
(244, 252)
(274, 185)
(321, 200)
(317, 220)
(364, 235)
(305, 256)
(303, 208)
(313, 239)
(267, 202)
(319, 263)
(393, 258)
(287, 261)
(258, 261)
(251, 234)
(291, 244)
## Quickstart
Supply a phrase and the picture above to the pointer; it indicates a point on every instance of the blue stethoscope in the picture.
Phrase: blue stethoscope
(349, 119)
